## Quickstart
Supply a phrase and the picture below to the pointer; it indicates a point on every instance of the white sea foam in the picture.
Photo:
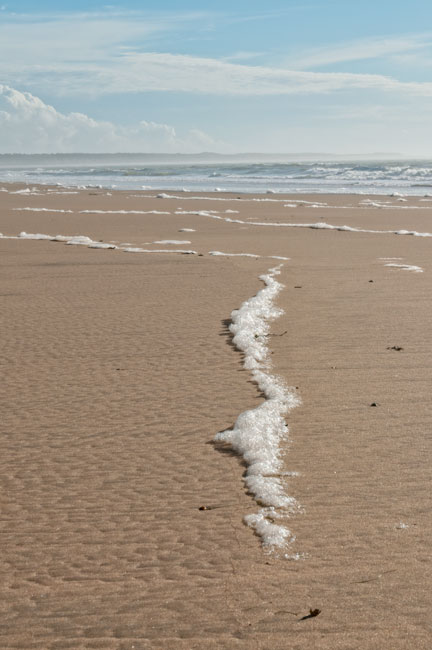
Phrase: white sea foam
(154, 250)
(80, 240)
(220, 253)
(42, 210)
(201, 213)
(272, 257)
(363, 205)
(273, 535)
(83, 240)
(74, 240)
(34, 191)
(26, 235)
(187, 230)
(163, 195)
(172, 241)
(406, 267)
(100, 244)
(257, 433)
(374, 204)
(321, 225)
(291, 203)
(294, 203)
(122, 212)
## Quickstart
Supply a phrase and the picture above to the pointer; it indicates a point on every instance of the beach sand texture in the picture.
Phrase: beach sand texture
(117, 372)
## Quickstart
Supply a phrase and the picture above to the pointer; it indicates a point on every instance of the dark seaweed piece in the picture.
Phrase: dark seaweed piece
(312, 614)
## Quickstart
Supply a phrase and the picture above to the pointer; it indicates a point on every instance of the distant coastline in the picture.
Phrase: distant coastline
(52, 159)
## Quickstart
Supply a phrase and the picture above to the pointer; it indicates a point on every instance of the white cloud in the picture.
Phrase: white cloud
(28, 125)
(88, 37)
(362, 49)
(133, 72)
(149, 72)
(120, 52)
(242, 56)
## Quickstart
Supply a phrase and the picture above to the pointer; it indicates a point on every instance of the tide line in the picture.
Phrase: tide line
(83, 240)
(321, 225)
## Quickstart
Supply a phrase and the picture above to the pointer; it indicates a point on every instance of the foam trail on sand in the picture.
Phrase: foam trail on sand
(162, 250)
(321, 225)
(122, 212)
(33, 192)
(83, 240)
(406, 267)
(396, 262)
(291, 203)
(26, 235)
(257, 433)
(172, 241)
(221, 254)
(163, 195)
(41, 210)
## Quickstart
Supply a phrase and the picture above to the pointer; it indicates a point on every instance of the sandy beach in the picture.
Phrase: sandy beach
(118, 370)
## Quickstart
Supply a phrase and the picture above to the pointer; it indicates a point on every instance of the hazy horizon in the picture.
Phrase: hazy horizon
(214, 156)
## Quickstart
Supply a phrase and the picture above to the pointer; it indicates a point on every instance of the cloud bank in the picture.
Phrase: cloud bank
(119, 52)
(134, 72)
(28, 125)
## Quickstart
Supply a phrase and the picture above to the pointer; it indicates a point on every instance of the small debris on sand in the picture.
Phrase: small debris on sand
(312, 614)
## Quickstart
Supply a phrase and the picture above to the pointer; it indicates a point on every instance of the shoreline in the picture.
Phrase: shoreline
(119, 371)
(270, 193)
(215, 193)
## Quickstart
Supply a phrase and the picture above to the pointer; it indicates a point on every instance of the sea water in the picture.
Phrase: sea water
(413, 177)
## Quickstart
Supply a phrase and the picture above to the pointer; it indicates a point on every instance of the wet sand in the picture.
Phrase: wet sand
(118, 371)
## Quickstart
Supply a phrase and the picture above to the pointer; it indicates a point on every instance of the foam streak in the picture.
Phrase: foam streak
(258, 432)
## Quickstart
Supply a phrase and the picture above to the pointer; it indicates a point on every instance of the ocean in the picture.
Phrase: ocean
(412, 177)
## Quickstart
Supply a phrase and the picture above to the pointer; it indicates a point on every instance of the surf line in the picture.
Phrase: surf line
(257, 433)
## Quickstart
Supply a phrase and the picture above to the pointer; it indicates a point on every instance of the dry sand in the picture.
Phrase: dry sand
(117, 371)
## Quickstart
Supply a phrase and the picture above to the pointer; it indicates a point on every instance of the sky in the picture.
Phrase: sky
(285, 76)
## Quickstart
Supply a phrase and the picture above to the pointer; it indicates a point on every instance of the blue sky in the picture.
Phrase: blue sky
(309, 75)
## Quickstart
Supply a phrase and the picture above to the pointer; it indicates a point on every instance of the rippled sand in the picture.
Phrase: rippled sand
(118, 371)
